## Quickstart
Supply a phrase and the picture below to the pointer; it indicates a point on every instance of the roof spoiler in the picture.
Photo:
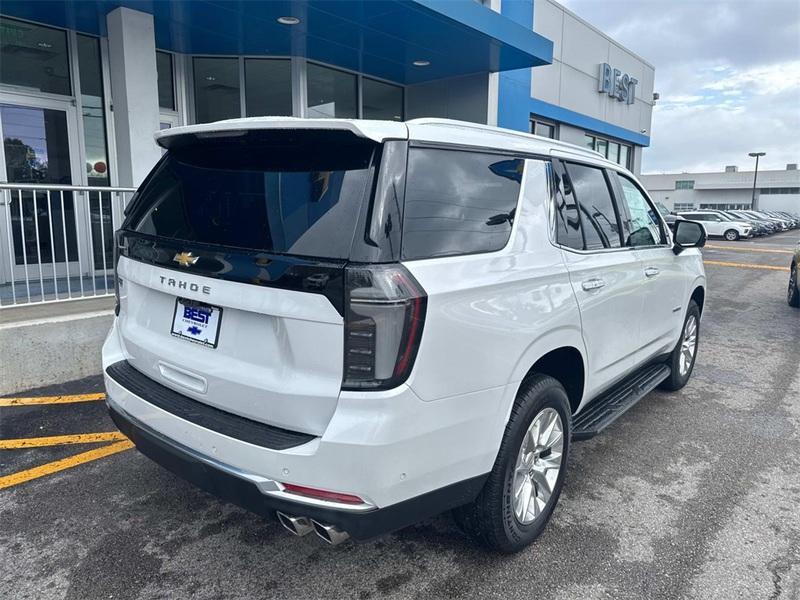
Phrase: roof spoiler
(377, 131)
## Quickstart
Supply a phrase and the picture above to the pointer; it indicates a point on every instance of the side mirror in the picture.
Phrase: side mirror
(688, 234)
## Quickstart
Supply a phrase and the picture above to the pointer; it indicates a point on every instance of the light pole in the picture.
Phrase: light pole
(753, 203)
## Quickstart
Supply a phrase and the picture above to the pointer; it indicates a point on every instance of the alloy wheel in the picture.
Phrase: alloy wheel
(538, 465)
(688, 345)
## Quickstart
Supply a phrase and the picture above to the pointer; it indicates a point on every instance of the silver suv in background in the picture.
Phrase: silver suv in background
(719, 225)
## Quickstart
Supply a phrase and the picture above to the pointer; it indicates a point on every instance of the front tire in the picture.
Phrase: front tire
(522, 490)
(793, 293)
(732, 235)
(681, 360)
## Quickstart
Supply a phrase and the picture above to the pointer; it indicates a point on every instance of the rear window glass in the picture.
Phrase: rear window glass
(458, 202)
(299, 196)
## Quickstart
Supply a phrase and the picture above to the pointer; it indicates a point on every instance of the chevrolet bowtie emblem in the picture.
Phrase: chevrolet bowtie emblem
(185, 259)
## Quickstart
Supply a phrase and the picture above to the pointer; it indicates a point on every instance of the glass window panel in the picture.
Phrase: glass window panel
(331, 93)
(36, 149)
(589, 141)
(382, 100)
(268, 87)
(602, 146)
(613, 152)
(597, 212)
(458, 202)
(34, 57)
(623, 156)
(645, 229)
(292, 195)
(545, 129)
(568, 232)
(216, 89)
(94, 122)
(166, 79)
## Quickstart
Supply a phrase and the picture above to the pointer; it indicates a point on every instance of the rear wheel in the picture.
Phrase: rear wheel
(523, 488)
(731, 235)
(793, 293)
(682, 358)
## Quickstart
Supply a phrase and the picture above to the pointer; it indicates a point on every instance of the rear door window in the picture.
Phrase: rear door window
(568, 221)
(458, 202)
(595, 204)
(283, 195)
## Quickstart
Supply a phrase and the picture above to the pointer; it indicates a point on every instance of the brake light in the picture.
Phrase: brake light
(302, 490)
(384, 317)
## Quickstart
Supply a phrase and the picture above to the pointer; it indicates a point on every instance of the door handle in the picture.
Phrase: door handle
(651, 271)
(592, 284)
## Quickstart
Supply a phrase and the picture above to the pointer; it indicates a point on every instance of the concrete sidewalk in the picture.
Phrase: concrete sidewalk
(52, 343)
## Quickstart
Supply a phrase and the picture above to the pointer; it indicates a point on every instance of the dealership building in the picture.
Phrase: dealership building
(730, 189)
(84, 85)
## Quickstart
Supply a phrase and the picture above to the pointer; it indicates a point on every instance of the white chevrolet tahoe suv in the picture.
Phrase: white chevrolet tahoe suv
(355, 325)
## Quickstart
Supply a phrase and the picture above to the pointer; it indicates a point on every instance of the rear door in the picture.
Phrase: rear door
(663, 283)
(605, 275)
(232, 271)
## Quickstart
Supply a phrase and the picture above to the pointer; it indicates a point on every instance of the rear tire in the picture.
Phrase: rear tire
(501, 518)
(681, 360)
(732, 235)
(793, 293)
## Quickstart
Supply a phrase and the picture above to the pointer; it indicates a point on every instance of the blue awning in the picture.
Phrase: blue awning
(379, 37)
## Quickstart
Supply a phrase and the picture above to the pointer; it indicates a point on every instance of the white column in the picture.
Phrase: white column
(134, 89)
(637, 160)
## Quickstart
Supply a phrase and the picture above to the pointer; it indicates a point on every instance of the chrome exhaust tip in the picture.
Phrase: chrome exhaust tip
(330, 533)
(299, 526)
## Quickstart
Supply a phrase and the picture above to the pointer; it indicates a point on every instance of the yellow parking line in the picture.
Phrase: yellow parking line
(62, 440)
(749, 249)
(52, 399)
(63, 464)
(744, 265)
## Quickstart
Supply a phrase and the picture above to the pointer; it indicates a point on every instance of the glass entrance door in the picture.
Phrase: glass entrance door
(41, 230)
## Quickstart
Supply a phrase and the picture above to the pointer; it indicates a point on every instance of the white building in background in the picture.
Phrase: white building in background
(595, 92)
(731, 189)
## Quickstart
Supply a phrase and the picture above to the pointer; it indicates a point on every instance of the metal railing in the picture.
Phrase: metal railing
(57, 241)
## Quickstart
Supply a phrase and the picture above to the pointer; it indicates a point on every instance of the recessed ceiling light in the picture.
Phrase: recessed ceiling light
(288, 20)
(210, 78)
(421, 63)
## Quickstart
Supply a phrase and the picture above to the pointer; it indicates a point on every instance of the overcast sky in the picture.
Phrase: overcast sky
(728, 73)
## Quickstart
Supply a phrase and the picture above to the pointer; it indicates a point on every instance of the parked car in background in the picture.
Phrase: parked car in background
(355, 325)
(757, 228)
(793, 293)
(717, 225)
(794, 221)
(669, 217)
(783, 224)
(770, 225)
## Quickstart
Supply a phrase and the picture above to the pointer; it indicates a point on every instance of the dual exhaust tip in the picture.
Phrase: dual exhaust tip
(301, 526)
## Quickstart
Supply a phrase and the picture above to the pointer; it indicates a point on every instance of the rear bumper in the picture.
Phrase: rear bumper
(408, 459)
(237, 488)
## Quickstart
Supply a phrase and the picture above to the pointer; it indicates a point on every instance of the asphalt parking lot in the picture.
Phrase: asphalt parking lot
(689, 495)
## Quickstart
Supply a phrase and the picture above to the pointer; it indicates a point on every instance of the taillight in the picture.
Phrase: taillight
(384, 316)
(117, 282)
